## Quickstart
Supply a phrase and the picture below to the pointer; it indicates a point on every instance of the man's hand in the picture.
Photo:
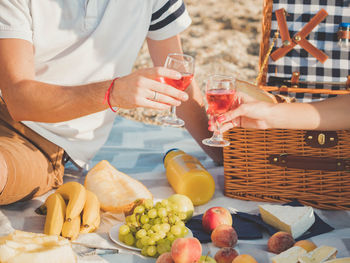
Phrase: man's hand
(145, 88)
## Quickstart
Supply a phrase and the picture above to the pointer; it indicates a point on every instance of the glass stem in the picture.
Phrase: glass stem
(173, 112)
(217, 135)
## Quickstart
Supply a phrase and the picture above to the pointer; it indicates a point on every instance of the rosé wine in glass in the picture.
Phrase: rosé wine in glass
(180, 84)
(221, 97)
(185, 65)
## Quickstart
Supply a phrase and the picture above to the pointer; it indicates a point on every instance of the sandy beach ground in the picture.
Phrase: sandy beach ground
(224, 38)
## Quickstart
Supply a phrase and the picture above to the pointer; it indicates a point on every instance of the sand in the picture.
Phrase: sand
(224, 38)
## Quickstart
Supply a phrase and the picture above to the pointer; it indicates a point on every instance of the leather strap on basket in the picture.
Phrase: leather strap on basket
(310, 163)
(300, 37)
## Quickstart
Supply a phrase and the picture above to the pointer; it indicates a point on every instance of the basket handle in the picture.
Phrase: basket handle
(310, 163)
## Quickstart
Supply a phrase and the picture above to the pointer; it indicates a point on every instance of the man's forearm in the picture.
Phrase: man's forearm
(31, 100)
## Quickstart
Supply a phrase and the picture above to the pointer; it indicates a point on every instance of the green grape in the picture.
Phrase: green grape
(157, 221)
(146, 226)
(152, 213)
(121, 237)
(141, 233)
(176, 230)
(156, 228)
(148, 203)
(129, 239)
(139, 244)
(144, 240)
(174, 207)
(158, 205)
(133, 218)
(139, 209)
(184, 231)
(165, 227)
(162, 234)
(144, 251)
(151, 251)
(124, 229)
(156, 236)
(182, 215)
(151, 241)
(133, 229)
(165, 202)
(150, 232)
(168, 243)
(161, 248)
(151, 221)
(127, 219)
(165, 219)
(162, 212)
(171, 237)
(144, 219)
(180, 223)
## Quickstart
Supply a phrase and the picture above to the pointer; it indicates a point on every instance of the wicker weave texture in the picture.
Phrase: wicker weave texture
(250, 176)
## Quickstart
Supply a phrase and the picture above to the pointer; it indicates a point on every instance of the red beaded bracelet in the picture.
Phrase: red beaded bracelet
(108, 94)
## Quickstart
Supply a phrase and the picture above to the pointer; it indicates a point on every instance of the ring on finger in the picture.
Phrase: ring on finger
(155, 96)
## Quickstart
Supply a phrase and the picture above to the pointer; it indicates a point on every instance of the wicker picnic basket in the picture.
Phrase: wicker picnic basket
(279, 165)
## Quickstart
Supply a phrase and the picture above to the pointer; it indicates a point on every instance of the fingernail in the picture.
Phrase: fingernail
(221, 118)
(185, 96)
(178, 75)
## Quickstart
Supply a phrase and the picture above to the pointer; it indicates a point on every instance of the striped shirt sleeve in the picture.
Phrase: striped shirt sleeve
(169, 18)
(15, 20)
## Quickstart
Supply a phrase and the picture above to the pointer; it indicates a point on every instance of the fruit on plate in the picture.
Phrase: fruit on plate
(244, 258)
(224, 236)
(186, 250)
(116, 191)
(226, 255)
(280, 242)
(75, 194)
(152, 227)
(20, 246)
(306, 244)
(207, 259)
(56, 210)
(215, 216)
(183, 204)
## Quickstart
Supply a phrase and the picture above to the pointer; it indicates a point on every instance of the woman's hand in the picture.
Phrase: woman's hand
(143, 88)
(256, 115)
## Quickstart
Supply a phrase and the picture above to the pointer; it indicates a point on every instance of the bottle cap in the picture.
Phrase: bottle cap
(173, 149)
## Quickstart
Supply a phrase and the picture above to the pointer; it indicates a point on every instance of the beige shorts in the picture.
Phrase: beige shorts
(34, 165)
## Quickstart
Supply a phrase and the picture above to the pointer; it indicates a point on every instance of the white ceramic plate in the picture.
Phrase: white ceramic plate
(114, 236)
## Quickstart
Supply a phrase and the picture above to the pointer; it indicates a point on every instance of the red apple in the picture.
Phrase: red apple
(216, 216)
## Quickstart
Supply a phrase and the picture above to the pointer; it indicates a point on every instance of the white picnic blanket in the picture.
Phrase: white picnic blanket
(137, 149)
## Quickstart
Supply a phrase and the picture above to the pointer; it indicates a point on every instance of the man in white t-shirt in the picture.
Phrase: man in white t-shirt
(58, 58)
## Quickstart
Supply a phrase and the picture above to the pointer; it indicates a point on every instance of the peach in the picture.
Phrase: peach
(306, 244)
(226, 255)
(224, 236)
(216, 216)
(244, 258)
(280, 242)
(165, 258)
(186, 250)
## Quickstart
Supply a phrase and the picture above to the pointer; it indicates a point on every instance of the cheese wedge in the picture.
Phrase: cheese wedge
(291, 255)
(319, 255)
(295, 220)
(339, 260)
(22, 246)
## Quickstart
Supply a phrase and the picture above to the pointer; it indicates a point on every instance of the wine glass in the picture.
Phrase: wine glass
(221, 97)
(185, 65)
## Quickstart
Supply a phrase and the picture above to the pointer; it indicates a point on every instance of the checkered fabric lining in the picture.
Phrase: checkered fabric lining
(324, 37)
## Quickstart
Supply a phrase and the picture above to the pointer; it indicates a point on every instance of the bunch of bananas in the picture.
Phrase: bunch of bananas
(71, 210)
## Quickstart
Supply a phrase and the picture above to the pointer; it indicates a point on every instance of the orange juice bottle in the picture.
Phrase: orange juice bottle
(187, 176)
